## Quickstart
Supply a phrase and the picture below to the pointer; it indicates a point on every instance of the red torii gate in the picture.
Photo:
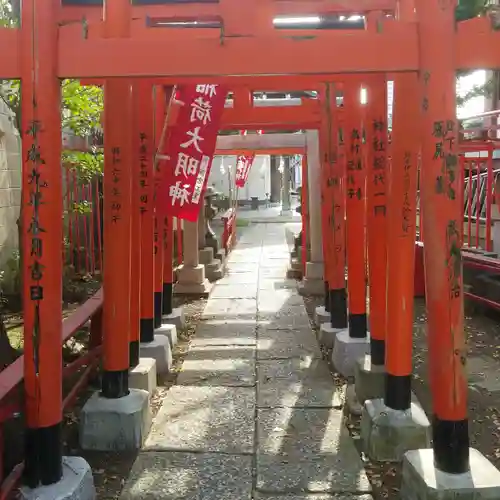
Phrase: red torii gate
(52, 43)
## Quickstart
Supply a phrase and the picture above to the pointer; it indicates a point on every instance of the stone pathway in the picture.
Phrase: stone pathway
(255, 413)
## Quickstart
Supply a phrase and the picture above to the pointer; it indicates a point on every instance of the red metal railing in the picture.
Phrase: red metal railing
(229, 232)
(85, 366)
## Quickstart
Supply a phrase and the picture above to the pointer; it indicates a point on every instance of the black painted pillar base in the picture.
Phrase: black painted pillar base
(167, 304)
(327, 297)
(377, 351)
(397, 391)
(451, 445)
(338, 308)
(147, 330)
(43, 456)
(358, 326)
(158, 299)
(114, 384)
(134, 353)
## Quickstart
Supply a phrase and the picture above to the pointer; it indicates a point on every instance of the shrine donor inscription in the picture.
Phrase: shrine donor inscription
(190, 149)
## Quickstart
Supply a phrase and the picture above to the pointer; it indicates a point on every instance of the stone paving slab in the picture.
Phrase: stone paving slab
(276, 301)
(277, 284)
(220, 332)
(307, 450)
(231, 366)
(189, 476)
(296, 382)
(205, 418)
(273, 272)
(234, 291)
(243, 267)
(230, 309)
(288, 317)
(251, 278)
(278, 344)
(312, 496)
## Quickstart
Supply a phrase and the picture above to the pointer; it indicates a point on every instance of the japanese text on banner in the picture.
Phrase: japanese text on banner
(190, 149)
(243, 166)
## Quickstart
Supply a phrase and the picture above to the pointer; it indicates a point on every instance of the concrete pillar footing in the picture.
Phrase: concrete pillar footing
(327, 334)
(347, 350)
(351, 400)
(369, 379)
(387, 434)
(76, 483)
(421, 480)
(159, 349)
(115, 424)
(321, 315)
(176, 318)
(169, 331)
(143, 376)
(191, 281)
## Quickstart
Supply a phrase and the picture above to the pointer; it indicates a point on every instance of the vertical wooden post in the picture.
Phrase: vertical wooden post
(338, 298)
(135, 273)
(305, 213)
(326, 227)
(355, 209)
(159, 248)
(401, 233)
(117, 214)
(145, 130)
(42, 233)
(376, 140)
(168, 256)
(442, 216)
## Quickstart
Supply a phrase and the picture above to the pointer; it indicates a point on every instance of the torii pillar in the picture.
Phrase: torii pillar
(451, 468)
(313, 281)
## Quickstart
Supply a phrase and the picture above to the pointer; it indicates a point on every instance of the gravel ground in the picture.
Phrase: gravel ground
(483, 332)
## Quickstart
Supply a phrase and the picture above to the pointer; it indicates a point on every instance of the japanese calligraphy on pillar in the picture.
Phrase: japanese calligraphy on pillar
(408, 215)
(190, 149)
(445, 148)
(243, 166)
(355, 179)
(35, 231)
(116, 174)
(144, 181)
(378, 170)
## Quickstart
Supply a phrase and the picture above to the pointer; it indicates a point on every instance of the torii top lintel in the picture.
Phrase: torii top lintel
(246, 45)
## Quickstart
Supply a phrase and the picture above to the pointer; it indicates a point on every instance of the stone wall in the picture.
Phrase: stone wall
(10, 182)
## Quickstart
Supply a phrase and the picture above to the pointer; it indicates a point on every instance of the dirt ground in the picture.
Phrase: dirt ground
(483, 334)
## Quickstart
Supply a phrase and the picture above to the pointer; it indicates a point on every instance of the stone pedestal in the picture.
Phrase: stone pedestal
(176, 318)
(327, 335)
(160, 351)
(369, 379)
(213, 268)
(76, 483)
(422, 481)
(143, 376)
(346, 351)
(115, 424)
(170, 331)
(321, 315)
(191, 275)
(388, 434)
(192, 281)
(352, 402)
(313, 281)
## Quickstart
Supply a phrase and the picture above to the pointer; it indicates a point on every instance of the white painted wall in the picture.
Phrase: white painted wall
(258, 182)
(10, 182)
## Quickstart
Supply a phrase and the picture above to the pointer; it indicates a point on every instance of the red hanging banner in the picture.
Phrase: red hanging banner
(190, 148)
(243, 166)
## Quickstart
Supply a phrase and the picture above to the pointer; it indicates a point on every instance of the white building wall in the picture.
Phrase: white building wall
(10, 182)
(258, 182)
